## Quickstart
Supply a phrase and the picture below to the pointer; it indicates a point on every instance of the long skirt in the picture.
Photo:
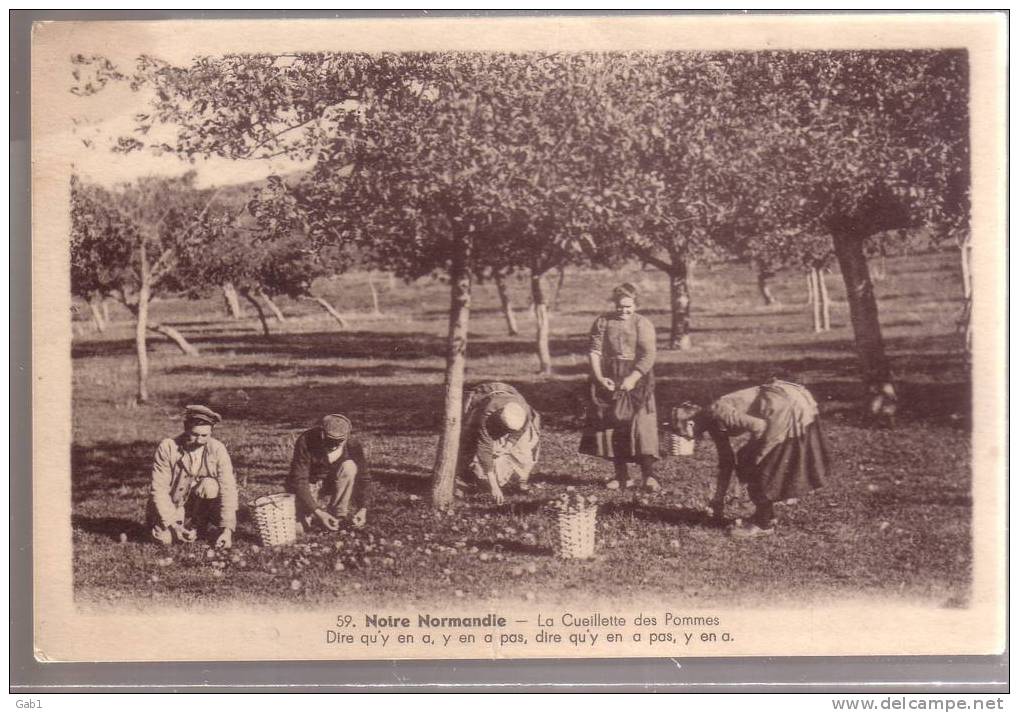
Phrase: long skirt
(791, 469)
(629, 442)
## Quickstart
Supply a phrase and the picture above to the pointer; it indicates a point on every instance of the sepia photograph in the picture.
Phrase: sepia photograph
(517, 338)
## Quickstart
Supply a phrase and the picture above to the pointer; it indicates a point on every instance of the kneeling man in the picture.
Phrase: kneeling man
(193, 484)
(329, 475)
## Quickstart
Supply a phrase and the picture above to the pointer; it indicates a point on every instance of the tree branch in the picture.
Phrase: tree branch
(650, 258)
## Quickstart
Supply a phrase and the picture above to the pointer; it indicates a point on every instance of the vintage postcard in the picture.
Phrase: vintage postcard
(519, 337)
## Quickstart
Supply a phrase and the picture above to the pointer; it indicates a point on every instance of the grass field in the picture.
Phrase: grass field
(894, 522)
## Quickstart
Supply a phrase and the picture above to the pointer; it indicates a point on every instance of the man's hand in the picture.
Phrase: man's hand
(607, 383)
(630, 381)
(184, 534)
(497, 494)
(328, 521)
(226, 539)
(359, 519)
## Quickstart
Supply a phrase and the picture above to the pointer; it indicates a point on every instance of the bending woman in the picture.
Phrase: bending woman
(786, 456)
(622, 421)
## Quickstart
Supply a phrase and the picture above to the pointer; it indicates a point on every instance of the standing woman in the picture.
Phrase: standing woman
(622, 421)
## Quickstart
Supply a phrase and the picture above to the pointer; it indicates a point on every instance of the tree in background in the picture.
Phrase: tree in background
(864, 143)
(129, 240)
(101, 242)
(676, 127)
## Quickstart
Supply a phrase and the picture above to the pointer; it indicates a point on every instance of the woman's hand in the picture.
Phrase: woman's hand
(630, 381)
(607, 383)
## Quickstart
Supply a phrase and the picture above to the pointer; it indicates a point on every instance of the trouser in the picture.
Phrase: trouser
(334, 492)
(200, 511)
(647, 468)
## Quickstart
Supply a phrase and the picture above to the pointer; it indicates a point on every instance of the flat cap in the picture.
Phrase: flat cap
(201, 414)
(335, 426)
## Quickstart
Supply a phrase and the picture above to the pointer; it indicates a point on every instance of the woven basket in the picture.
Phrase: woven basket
(575, 533)
(276, 518)
(680, 445)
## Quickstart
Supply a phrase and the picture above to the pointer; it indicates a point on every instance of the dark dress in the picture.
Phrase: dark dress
(624, 345)
(787, 455)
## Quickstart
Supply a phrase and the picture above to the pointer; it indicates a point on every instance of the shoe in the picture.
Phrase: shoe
(746, 530)
(523, 487)
(717, 511)
(616, 484)
(653, 485)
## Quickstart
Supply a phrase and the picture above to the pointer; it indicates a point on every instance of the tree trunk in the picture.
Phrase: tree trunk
(276, 311)
(178, 338)
(543, 323)
(679, 293)
(763, 278)
(141, 348)
(104, 306)
(825, 302)
(561, 270)
(965, 260)
(375, 295)
(95, 308)
(324, 304)
(815, 300)
(966, 319)
(881, 268)
(863, 312)
(233, 303)
(258, 309)
(447, 455)
(507, 306)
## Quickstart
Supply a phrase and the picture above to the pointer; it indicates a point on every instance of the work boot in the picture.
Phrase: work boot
(745, 530)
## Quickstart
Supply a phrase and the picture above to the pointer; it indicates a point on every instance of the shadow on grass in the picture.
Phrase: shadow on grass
(107, 466)
(403, 477)
(111, 527)
(659, 514)
(396, 346)
(512, 547)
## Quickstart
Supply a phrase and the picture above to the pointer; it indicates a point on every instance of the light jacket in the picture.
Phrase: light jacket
(172, 483)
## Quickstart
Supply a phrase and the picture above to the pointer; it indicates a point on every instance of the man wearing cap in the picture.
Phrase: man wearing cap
(193, 484)
(499, 444)
(331, 466)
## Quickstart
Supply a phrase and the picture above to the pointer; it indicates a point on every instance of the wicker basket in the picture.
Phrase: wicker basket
(680, 445)
(575, 533)
(276, 518)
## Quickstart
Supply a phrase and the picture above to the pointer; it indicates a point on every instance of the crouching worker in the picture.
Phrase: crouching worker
(785, 457)
(499, 445)
(329, 475)
(193, 486)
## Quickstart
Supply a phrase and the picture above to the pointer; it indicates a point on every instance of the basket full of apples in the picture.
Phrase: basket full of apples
(575, 517)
